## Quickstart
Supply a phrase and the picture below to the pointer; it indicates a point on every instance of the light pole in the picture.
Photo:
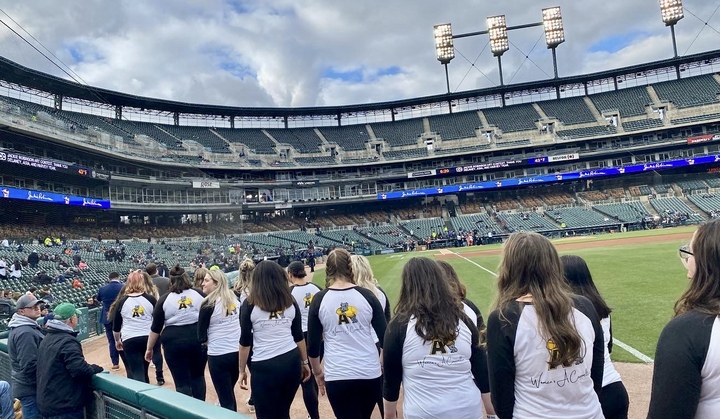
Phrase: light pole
(554, 35)
(444, 47)
(672, 12)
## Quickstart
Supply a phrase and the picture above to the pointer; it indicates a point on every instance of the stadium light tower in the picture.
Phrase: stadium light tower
(672, 12)
(444, 47)
(554, 31)
(498, 31)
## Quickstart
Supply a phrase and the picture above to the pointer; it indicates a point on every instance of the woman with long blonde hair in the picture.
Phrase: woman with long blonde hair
(219, 329)
(242, 283)
(686, 376)
(132, 317)
(545, 345)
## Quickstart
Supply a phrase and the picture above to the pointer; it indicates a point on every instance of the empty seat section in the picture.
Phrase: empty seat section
(642, 124)
(570, 111)
(315, 161)
(252, 138)
(569, 134)
(627, 212)
(628, 102)
(405, 154)
(303, 140)
(690, 91)
(349, 138)
(455, 126)
(512, 118)
(399, 133)
(150, 130)
(201, 135)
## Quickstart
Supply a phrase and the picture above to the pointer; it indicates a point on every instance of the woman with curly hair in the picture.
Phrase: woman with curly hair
(175, 321)
(545, 345)
(686, 376)
(433, 349)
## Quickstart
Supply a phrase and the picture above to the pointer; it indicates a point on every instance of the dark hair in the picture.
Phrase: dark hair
(452, 278)
(151, 269)
(179, 280)
(297, 269)
(113, 275)
(578, 275)
(269, 290)
(338, 264)
(427, 296)
(703, 293)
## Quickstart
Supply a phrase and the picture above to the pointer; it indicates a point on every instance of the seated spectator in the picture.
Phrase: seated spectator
(42, 278)
(77, 284)
(82, 265)
(91, 303)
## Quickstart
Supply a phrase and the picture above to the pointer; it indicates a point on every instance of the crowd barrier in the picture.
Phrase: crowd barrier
(118, 397)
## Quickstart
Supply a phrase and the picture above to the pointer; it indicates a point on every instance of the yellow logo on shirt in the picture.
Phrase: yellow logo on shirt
(555, 356)
(185, 302)
(307, 299)
(232, 309)
(275, 315)
(439, 346)
(346, 314)
(138, 311)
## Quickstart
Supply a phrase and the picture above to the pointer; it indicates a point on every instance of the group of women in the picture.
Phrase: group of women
(545, 351)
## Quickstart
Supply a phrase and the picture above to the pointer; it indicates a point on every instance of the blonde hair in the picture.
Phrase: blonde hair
(362, 271)
(242, 283)
(530, 265)
(221, 292)
(150, 287)
(338, 265)
(135, 282)
(198, 277)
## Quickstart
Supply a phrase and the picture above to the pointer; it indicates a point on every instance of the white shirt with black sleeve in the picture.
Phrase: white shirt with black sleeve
(270, 333)
(521, 382)
(133, 316)
(177, 309)
(385, 303)
(345, 317)
(440, 379)
(220, 327)
(303, 295)
(610, 374)
(686, 376)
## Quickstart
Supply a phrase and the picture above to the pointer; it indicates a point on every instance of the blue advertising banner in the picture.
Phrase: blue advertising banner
(53, 198)
(558, 177)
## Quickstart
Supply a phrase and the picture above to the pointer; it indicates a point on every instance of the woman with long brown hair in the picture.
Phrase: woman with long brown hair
(433, 348)
(341, 316)
(686, 377)
(545, 345)
(614, 397)
(132, 315)
(272, 325)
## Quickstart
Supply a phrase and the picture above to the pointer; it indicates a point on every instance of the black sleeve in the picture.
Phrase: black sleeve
(501, 360)
(679, 360)
(296, 326)
(392, 358)
(117, 320)
(246, 332)
(206, 312)
(478, 359)
(480, 322)
(315, 328)
(610, 341)
(598, 365)
(386, 311)
(159, 315)
(151, 299)
(378, 314)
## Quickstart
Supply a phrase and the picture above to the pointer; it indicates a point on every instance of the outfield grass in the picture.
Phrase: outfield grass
(640, 282)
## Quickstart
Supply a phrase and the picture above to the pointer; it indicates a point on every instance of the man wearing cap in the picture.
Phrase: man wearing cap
(23, 341)
(63, 375)
(106, 295)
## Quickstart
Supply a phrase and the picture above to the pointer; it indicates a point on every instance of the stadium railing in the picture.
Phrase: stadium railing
(117, 397)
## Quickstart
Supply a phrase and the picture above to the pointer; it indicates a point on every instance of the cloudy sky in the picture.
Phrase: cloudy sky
(323, 52)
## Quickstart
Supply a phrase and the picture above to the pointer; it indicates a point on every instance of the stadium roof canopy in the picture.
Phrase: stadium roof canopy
(13, 73)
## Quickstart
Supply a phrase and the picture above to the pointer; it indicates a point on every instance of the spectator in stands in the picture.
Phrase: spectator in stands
(5, 244)
(686, 362)
(344, 314)
(23, 341)
(614, 397)
(271, 324)
(3, 268)
(16, 270)
(132, 316)
(199, 277)
(219, 330)
(175, 317)
(107, 294)
(63, 375)
(33, 259)
(76, 284)
(82, 265)
(7, 306)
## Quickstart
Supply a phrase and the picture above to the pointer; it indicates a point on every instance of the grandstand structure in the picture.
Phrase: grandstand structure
(517, 157)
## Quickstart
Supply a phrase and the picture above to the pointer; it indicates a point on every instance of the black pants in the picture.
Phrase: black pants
(157, 359)
(614, 401)
(137, 367)
(310, 391)
(186, 359)
(354, 399)
(274, 383)
(224, 372)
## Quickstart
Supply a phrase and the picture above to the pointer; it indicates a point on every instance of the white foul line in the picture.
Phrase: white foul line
(637, 354)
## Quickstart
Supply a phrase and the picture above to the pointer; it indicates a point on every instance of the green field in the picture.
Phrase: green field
(640, 282)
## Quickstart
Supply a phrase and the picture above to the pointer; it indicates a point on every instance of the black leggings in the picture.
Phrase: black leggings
(274, 383)
(614, 401)
(310, 390)
(224, 372)
(186, 359)
(353, 399)
(137, 367)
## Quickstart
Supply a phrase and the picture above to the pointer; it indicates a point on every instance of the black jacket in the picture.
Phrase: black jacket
(63, 376)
